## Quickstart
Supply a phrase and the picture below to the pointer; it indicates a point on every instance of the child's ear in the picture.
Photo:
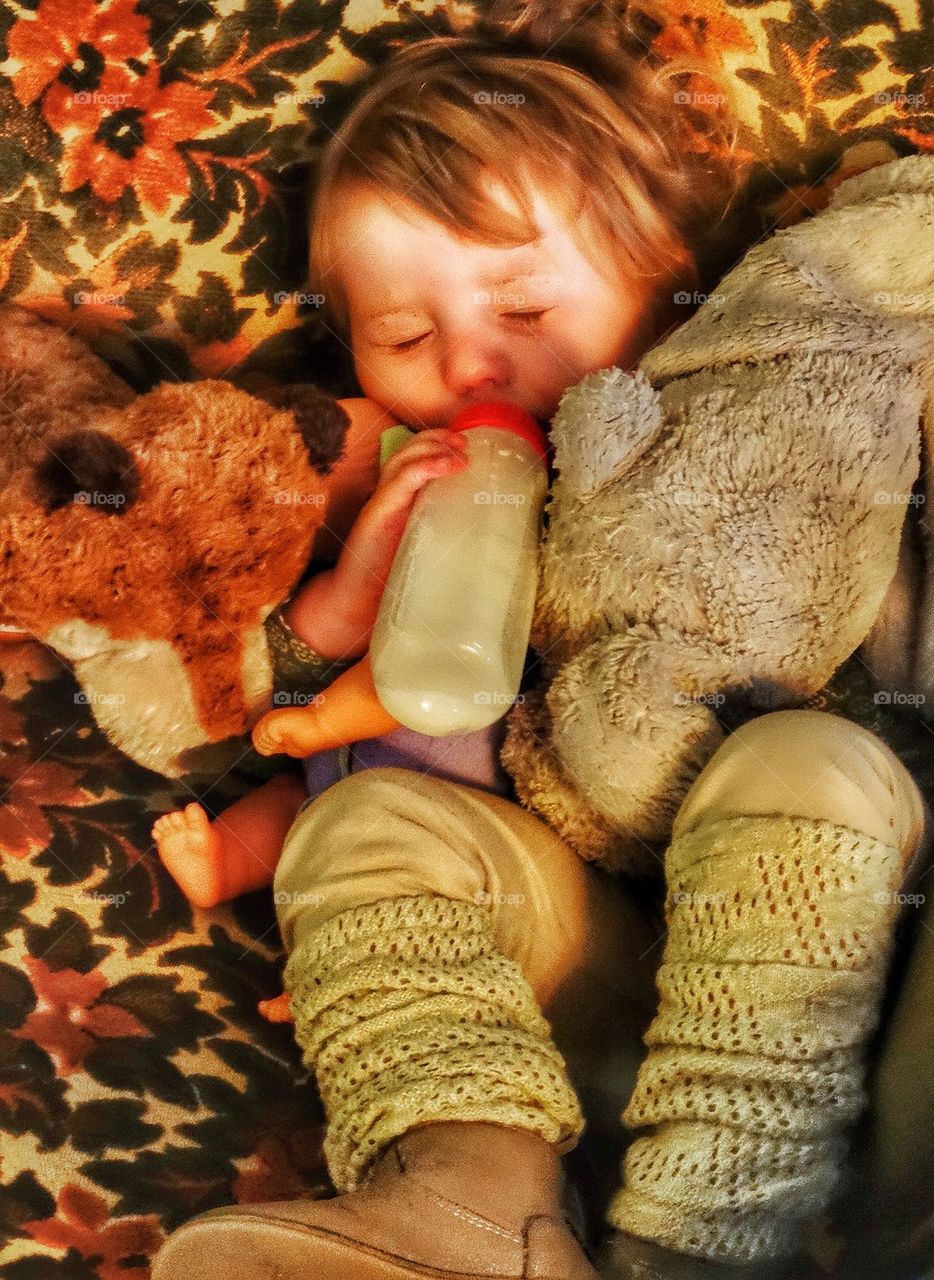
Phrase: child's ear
(87, 466)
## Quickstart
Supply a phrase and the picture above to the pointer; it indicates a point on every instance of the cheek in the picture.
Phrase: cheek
(606, 337)
(374, 369)
(403, 386)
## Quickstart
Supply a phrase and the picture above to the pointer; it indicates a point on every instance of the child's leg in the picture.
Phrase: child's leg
(428, 924)
(784, 870)
(213, 862)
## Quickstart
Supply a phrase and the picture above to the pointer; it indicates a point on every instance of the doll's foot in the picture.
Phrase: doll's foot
(283, 732)
(277, 1010)
(190, 850)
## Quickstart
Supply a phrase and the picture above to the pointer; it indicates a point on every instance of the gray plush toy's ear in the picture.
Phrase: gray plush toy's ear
(603, 426)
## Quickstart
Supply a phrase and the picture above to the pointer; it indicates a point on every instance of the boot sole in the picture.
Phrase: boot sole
(247, 1247)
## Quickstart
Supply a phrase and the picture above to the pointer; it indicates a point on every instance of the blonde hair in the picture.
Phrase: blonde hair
(608, 134)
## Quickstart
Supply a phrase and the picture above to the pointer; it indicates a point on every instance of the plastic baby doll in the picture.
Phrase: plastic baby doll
(493, 226)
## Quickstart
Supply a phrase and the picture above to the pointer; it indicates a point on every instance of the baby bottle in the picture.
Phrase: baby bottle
(449, 643)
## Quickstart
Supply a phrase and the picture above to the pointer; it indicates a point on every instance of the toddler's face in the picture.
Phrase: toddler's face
(439, 322)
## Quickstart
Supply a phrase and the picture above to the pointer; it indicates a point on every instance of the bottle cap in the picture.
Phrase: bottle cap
(504, 416)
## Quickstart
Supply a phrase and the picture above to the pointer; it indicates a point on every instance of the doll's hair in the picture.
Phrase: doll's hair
(596, 126)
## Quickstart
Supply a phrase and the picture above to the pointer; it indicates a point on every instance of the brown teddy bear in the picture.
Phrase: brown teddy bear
(146, 538)
(728, 521)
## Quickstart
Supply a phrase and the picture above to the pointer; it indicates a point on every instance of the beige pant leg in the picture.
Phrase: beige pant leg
(587, 945)
(815, 766)
(809, 764)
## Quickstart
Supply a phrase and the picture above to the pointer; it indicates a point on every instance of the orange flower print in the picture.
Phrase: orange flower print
(124, 134)
(68, 1019)
(70, 41)
(26, 789)
(700, 29)
(85, 1225)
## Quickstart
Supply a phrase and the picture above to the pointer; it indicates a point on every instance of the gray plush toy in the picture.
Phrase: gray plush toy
(729, 520)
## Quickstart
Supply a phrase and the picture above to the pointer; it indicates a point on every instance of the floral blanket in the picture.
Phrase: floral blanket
(153, 159)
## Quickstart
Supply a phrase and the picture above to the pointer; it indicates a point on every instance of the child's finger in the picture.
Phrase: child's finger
(399, 491)
(426, 444)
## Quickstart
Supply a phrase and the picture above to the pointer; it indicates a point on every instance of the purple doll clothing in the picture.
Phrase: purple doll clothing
(471, 758)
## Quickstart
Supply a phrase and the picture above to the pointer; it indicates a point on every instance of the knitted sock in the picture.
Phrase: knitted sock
(779, 935)
(409, 1014)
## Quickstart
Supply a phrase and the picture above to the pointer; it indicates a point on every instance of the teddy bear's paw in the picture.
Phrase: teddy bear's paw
(542, 785)
(627, 739)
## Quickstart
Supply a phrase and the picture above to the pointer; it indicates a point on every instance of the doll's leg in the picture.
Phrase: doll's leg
(428, 924)
(213, 862)
(784, 872)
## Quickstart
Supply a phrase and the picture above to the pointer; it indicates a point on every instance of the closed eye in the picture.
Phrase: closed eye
(409, 344)
(523, 319)
(528, 319)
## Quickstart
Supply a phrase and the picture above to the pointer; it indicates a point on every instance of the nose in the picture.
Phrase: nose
(472, 365)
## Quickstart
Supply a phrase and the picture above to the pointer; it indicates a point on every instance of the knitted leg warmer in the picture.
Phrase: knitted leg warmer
(408, 1014)
(779, 934)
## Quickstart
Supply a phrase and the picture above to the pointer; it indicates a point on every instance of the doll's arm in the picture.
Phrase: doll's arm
(332, 616)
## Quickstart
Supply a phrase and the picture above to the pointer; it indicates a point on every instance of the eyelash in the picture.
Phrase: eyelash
(527, 319)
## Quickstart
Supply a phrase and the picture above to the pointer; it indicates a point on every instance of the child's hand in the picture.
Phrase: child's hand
(336, 611)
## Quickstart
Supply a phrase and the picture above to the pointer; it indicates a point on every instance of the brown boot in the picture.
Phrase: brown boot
(453, 1199)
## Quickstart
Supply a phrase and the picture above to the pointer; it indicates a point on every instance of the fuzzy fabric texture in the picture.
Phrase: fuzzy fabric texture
(147, 537)
(726, 523)
(408, 1013)
(779, 938)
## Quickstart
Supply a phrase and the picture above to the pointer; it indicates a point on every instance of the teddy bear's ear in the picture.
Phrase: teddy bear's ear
(603, 426)
(323, 425)
(321, 421)
(90, 467)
